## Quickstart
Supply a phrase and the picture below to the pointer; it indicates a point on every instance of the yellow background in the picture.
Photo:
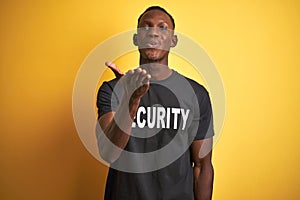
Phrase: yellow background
(255, 46)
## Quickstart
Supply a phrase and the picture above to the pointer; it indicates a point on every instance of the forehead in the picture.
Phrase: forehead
(156, 16)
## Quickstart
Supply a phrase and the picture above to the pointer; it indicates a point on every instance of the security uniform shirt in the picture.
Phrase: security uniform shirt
(172, 114)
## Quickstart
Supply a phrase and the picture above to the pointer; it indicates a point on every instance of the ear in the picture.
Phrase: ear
(135, 42)
(174, 41)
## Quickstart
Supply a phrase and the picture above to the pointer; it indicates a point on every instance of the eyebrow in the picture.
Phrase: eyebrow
(150, 22)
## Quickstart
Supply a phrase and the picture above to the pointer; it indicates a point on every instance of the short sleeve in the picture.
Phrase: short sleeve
(106, 101)
(203, 116)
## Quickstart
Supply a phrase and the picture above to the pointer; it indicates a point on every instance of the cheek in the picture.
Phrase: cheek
(166, 37)
(166, 41)
(141, 37)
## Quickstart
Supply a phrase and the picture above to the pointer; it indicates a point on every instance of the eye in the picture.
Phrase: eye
(163, 28)
(145, 28)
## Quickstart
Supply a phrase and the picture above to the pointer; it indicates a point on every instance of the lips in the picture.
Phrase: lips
(152, 44)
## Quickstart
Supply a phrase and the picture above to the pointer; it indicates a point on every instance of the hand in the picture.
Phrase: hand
(136, 83)
(115, 69)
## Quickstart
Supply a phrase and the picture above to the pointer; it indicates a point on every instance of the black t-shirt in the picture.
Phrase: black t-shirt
(173, 113)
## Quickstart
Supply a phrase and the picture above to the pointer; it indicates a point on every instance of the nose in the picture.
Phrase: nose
(153, 32)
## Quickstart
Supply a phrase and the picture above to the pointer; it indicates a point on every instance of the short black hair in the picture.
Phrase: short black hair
(157, 8)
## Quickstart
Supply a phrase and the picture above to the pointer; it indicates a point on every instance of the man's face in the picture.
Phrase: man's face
(155, 35)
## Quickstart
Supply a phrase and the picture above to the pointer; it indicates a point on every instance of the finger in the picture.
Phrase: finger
(142, 77)
(138, 70)
(128, 76)
(135, 77)
(111, 65)
(130, 72)
(145, 76)
(115, 69)
(147, 79)
(107, 63)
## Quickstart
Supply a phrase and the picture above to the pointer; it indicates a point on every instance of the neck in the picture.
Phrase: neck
(159, 70)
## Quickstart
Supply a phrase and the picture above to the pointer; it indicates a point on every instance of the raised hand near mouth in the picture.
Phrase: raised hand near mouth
(117, 125)
(135, 81)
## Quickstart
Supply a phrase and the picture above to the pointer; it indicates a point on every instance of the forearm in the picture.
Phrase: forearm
(117, 129)
(117, 125)
(203, 181)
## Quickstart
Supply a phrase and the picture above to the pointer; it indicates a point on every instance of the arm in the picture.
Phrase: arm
(203, 169)
(117, 125)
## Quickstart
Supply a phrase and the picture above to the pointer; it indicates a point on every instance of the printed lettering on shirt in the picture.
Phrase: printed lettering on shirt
(160, 117)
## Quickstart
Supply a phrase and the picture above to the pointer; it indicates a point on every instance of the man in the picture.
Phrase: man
(148, 101)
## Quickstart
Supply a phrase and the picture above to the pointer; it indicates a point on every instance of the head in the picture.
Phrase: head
(155, 34)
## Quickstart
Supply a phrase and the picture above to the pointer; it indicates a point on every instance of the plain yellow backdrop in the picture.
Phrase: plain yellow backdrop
(254, 44)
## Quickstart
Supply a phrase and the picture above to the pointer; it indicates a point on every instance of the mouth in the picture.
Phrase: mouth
(152, 45)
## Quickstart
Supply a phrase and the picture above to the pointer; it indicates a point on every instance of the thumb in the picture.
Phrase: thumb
(115, 69)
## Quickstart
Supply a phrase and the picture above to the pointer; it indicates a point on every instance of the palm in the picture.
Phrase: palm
(135, 82)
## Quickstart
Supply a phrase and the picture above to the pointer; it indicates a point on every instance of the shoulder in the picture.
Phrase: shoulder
(197, 87)
(106, 89)
(109, 84)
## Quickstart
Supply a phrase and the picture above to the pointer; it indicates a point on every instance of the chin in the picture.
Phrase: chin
(153, 58)
(152, 55)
